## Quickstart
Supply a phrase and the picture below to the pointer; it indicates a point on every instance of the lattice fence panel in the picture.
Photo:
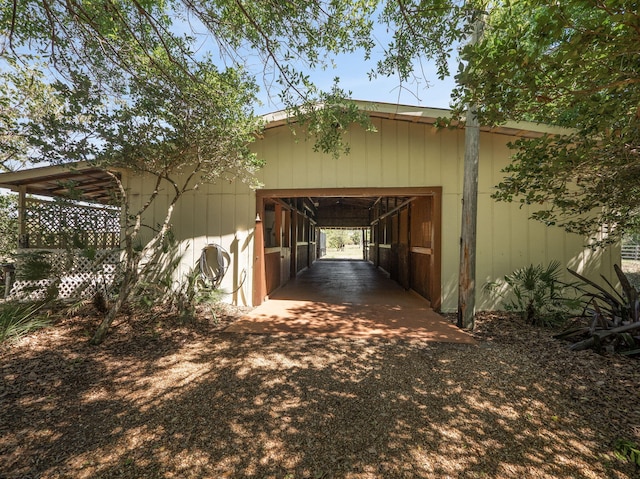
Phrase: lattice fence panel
(80, 277)
(53, 224)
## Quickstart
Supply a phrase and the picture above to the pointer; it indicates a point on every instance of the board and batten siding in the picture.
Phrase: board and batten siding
(221, 213)
(411, 154)
(400, 154)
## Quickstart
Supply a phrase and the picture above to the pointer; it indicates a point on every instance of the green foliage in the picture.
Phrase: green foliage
(34, 266)
(610, 305)
(626, 450)
(8, 226)
(631, 237)
(289, 39)
(198, 126)
(160, 284)
(193, 292)
(336, 238)
(19, 319)
(424, 30)
(536, 293)
(156, 283)
(328, 119)
(37, 266)
(24, 94)
(94, 50)
(571, 64)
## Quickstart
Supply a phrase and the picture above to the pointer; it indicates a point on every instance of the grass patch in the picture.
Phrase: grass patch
(349, 251)
(19, 319)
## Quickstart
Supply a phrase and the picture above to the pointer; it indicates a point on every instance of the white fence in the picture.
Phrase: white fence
(631, 251)
(76, 275)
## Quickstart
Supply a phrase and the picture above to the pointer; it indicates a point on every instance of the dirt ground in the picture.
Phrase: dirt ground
(162, 400)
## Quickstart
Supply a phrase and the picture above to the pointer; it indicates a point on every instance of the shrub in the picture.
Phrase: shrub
(8, 226)
(615, 317)
(536, 293)
(628, 451)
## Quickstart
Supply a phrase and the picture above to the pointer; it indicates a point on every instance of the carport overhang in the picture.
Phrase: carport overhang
(79, 181)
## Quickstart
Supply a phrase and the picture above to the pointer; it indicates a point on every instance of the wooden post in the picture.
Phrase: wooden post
(259, 278)
(9, 271)
(467, 276)
(436, 250)
(23, 239)
(293, 242)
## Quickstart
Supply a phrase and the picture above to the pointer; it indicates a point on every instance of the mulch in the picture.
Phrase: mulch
(164, 399)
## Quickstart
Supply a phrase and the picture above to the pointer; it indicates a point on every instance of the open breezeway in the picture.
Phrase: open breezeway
(351, 299)
(400, 234)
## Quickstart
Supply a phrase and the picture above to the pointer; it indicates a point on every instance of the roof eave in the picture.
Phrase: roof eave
(419, 114)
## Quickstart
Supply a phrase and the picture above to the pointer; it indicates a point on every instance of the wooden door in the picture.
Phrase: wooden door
(285, 246)
(403, 250)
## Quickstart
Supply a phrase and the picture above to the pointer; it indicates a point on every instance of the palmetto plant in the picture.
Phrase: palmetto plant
(536, 293)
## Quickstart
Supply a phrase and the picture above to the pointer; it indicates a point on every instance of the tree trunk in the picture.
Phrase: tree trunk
(125, 290)
(132, 274)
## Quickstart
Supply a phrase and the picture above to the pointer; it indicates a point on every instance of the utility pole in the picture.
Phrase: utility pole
(467, 275)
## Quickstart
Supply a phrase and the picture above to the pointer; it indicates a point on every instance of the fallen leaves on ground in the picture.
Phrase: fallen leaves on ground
(165, 400)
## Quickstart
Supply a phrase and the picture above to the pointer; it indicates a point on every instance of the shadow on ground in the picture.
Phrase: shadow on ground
(194, 403)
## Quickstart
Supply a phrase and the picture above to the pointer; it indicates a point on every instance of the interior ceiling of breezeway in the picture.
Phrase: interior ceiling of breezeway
(344, 211)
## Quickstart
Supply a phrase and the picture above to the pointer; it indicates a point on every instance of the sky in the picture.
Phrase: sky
(353, 71)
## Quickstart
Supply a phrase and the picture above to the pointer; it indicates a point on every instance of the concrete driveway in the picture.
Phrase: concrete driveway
(348, 299)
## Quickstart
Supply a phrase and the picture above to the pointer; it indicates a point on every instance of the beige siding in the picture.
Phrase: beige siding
(399, 154)
(219, 213)
(372, 153)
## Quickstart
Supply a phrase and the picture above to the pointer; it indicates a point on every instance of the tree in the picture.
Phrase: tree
(355, 237)
(131, 92)
(107, 42)
(24, 97)
(572, 64)
(336, 238)
(8, 226)
(182, 139)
